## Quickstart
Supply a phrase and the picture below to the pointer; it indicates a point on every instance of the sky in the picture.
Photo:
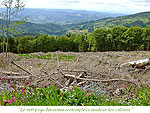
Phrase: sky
(112, 6)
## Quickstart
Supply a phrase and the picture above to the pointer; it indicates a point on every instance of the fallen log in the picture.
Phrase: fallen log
(81, 83)
(17, 77)
(25, 70)
(140, 64)
(95, 80)
(72, 81)
(11, 73)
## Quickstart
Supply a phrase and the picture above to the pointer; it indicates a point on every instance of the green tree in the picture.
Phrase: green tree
(146, 38)
(63, 43)
(12, 9)
(100, 38)
(82, 43)
(91, 43)
(118, 41)
(42, 44)
(109, 42)
(12, 45)
(25, 45)
(52, 44)
(133, 38)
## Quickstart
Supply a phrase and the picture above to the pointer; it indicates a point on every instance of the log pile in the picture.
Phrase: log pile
(71, 80)
(72, 77)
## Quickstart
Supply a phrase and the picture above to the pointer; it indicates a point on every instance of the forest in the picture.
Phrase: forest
(113, 39)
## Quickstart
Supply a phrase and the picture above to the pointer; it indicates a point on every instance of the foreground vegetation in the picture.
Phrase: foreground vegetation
(61, 57)
(52, 96)
(115, 39)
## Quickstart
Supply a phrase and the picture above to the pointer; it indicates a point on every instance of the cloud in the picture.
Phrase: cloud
(64, 1)
(115, 6)
(70, 1)
(145, 3)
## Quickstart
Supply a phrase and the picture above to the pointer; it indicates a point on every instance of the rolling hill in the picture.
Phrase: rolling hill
(139, 19)
(32, 29)
(62, 16)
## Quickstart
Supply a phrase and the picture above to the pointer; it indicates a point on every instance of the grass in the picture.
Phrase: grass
(61, 57)
(52, 96)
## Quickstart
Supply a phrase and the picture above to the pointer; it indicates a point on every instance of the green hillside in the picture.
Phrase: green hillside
(139, 19)
(32, 29)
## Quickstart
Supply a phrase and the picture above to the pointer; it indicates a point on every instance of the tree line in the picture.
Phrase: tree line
(114, 39)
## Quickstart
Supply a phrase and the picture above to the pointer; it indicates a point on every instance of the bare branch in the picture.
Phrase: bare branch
(25, 70)
(95, 80)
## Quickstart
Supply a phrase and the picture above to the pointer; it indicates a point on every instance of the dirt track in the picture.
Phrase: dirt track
(100, 66)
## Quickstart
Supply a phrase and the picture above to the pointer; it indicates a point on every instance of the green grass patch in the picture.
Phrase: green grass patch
(30, 56)
(61, 57)
(65, 57)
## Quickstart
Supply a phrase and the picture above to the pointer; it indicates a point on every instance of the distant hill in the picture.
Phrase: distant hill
(32, 29)
(28, 28)
(54, 21)
(63, 16)
(139, 19)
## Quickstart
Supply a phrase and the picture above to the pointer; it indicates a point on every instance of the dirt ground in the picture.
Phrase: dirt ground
(93, 65)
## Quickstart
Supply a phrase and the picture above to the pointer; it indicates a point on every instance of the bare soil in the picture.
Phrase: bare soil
(93, 65)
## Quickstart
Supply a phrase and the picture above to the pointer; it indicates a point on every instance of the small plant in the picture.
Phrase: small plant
(138, 96)
(52, 96)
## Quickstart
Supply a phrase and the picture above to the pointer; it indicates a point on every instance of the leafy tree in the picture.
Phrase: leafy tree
(118, 41)
(82, 43)
(133, 37)
(63, 43)
(91, 43)
(12, 9)
(25, 45)
(42, 43)
(146, 38)
(109, 42)
(52, 44)
(12, 45)
(100, 38)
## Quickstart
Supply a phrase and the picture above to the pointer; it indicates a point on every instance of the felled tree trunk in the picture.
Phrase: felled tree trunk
(140, 64)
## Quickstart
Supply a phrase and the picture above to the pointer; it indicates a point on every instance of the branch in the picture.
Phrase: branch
(50, 77)
(21, 68)
(58, 65)
(17, 77)
(11, 73)
(69, 70)
(95, 80)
